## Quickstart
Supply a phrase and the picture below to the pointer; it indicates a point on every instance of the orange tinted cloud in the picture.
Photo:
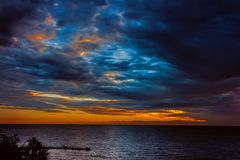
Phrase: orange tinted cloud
(107, 110)
(14, 39)
(87, 39)
(147, 115)
(80, 44)
(68, 98)
(49, 20)
(113, 77)
(39, 37)
(92, 115)
(89, 114)
(161, 115)
(82, 53)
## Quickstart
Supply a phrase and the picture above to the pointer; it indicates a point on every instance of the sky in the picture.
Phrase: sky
(120, 62)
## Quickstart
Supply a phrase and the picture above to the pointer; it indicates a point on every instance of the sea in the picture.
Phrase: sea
(109, 142)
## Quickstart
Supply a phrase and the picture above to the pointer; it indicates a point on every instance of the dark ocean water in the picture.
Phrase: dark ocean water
(135, 142)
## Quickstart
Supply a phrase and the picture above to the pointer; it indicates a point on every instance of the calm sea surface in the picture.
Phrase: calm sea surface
(135, 142)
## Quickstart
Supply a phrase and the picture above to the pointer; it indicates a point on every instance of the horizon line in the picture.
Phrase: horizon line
(170, 125)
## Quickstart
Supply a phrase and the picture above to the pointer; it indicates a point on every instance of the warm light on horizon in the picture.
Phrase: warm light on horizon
(91, 115)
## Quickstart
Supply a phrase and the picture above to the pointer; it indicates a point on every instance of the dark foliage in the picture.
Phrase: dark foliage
(35, 150)
(10, 149)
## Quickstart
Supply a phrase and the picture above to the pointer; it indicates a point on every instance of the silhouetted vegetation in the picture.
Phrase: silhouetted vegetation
(34, 150)
(10, 149)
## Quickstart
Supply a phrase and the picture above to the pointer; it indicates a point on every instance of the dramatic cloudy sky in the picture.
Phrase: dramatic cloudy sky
(120, 61)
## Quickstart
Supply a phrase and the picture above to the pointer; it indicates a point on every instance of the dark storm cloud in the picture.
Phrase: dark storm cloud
(75, 10)
(46, 66)
(199, 37)
(12, 13)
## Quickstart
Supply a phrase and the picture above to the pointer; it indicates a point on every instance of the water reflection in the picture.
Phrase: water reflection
(136, 142)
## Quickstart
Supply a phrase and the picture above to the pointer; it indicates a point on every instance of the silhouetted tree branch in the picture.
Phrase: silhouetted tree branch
(10, 149)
